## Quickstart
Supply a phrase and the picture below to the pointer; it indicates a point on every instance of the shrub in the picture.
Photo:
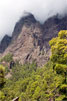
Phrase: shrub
(7, 58)
(2, 70)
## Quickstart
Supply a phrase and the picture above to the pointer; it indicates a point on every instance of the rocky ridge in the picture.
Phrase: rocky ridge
(30, 39)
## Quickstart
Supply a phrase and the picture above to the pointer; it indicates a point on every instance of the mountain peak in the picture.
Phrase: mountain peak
(26, 19)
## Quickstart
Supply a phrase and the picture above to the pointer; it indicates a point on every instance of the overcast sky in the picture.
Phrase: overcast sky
(12, 10)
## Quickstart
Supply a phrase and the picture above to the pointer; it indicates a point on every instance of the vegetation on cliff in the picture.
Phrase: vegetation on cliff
(30, 83)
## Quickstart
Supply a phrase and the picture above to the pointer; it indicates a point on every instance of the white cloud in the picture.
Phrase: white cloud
(12, 10)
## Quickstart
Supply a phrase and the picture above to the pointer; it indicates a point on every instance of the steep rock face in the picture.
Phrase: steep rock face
(49, 28)
(27, 44)
(4, 43)
(30, 39)
(52, 26)
(26, 20)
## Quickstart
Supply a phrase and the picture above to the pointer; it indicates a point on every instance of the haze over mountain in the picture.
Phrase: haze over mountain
(12, 10)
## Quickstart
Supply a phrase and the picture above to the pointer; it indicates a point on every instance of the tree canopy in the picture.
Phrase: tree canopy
(2, 71)
(59, 57)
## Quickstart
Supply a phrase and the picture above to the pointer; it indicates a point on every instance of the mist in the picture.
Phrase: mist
(12, 10)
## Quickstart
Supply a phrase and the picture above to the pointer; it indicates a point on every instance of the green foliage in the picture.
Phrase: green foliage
(7, 58)
(23, 71)
(59, 59)
(2, 70)
(61, 98)
(63, 34)
(6, 70)
(30, 83)
(59, 48)
(59, 51)
(63, 88)
(60, 68)
(22, 97)
(2, 96)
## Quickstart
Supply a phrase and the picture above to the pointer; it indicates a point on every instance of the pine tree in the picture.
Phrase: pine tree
(59, 58)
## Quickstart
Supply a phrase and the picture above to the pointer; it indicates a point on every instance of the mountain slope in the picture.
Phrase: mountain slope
(5, 43)
(30, 39)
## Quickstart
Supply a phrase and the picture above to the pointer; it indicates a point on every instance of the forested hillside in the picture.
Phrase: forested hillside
(32, 83)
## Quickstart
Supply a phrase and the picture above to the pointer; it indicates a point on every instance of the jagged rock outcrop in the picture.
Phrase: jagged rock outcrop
(30, 39)
(26, 20)
(53, 25)
(5, 43)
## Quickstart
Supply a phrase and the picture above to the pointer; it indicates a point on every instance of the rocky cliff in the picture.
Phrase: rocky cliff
(30, 39)
(5, 43)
